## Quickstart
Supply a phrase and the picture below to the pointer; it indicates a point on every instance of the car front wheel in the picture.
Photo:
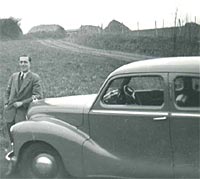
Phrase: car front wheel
(40, 160)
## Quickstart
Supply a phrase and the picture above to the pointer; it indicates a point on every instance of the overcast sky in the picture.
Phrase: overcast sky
(71, 14)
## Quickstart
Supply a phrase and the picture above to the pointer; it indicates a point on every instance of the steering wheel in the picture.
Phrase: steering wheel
(131, 97)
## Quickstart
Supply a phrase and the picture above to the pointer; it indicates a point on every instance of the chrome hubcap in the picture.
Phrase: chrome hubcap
(44, 165)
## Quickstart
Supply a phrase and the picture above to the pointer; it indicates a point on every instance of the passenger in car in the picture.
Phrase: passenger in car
(188, 96)
(181, 100)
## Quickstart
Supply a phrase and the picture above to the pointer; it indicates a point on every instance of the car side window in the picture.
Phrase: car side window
(187, 90)
(136, 90)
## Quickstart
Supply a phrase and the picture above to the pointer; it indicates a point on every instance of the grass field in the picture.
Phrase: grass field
(65, 69)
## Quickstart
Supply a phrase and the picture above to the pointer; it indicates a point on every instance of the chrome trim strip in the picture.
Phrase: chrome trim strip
(129, 112)
(185, 114)
(160, 118)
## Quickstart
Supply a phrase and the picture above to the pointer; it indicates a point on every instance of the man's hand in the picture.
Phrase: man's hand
(18, 104)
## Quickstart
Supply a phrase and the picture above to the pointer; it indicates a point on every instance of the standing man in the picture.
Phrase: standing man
(23, 88)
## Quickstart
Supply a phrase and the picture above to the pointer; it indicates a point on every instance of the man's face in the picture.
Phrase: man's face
(24, 64)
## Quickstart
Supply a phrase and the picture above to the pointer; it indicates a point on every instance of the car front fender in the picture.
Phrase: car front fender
(63, 137)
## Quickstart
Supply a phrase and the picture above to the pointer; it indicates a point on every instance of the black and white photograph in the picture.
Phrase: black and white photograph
(100, 89)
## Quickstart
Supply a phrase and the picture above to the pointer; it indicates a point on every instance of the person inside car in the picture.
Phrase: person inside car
(188, 96)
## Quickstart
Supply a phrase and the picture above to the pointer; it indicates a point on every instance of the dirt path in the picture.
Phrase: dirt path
(63, 44)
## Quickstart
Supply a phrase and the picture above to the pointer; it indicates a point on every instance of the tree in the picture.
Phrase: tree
(10, 28)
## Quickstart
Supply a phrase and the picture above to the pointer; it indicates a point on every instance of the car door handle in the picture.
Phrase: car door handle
(159, 118)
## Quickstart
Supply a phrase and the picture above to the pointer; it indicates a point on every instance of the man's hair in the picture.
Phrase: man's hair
(29, 58)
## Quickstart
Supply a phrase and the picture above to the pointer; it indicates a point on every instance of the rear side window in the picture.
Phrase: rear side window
(136, 90)
(187, 90)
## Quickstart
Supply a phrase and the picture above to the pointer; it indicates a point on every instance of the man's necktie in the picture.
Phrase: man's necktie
(21, 77)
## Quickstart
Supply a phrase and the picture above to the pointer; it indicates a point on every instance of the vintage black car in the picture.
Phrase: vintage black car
(143, 123)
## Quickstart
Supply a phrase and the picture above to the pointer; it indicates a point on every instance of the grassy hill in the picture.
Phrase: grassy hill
(162, 42)
(63, 72)
(130, 42)
(65, 69)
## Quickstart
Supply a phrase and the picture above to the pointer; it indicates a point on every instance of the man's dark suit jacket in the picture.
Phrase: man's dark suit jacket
(31, 87)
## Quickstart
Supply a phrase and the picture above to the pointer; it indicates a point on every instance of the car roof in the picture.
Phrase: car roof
(169, 64)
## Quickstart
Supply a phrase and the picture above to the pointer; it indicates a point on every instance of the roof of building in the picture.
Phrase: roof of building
(46, 28)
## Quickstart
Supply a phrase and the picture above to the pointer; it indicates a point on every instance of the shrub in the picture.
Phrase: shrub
(9, 29)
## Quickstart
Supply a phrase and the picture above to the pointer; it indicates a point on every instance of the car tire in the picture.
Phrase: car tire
(40, 160)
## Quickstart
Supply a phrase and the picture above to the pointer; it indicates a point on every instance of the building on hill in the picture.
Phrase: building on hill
(90, 29)
(116, 27)
(45, 31)
(9, 29)
(46, 28)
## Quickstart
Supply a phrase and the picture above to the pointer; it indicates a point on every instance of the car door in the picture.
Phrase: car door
(185, 123)
(130, 140)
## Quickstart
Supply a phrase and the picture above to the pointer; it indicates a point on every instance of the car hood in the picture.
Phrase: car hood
(69, 109)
